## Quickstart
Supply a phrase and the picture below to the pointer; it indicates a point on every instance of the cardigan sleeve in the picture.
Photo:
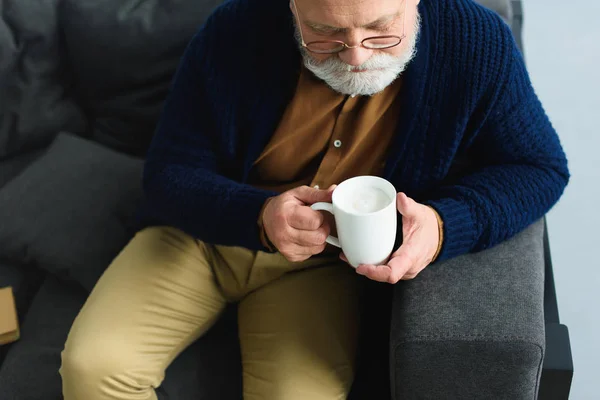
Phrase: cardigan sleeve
(185, 180)
(521, 171)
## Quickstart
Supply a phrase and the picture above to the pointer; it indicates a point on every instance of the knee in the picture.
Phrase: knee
(82, 360)
(296, 384)
(99, 369)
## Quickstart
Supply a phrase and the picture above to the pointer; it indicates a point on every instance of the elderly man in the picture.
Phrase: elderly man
(275, 102)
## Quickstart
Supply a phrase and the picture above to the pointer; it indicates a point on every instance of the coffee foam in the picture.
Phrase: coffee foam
(366, 200)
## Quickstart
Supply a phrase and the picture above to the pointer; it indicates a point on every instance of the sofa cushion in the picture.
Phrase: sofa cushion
(42, 337)
(71, 210)
(24, 283)
(11, 167)
(12, 276)
(502, 7)
(35, 101)
(209, 369)
(123, 54)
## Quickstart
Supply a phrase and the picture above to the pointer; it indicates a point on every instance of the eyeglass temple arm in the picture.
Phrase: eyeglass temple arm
(403, 19)
(298, 21)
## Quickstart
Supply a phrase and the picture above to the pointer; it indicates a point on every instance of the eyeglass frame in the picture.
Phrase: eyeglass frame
(344, 45)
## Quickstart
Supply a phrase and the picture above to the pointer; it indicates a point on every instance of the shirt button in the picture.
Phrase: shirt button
(316, 186)
(337, 143)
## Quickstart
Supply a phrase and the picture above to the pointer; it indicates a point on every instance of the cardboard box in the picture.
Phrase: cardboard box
(9, 323)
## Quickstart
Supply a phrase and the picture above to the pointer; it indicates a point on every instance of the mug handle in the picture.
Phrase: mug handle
(329, 208)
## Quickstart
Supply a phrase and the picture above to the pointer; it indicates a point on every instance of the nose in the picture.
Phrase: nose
(355, 56)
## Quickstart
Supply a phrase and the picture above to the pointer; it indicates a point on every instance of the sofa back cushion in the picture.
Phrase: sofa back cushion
(503, 7)
(35, 100)
(123, 54)
(120, 55)
(72, 210)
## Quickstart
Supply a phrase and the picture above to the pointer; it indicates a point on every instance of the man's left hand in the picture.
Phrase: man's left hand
(420, 232)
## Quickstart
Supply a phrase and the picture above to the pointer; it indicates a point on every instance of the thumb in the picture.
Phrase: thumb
(406, 206)
(309, 195)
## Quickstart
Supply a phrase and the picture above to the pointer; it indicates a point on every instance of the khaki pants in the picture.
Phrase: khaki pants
(298, 322)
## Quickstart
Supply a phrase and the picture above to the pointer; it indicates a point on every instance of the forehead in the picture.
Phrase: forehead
(347, 13)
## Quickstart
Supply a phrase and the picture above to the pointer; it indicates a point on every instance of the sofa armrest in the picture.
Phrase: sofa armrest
(472, 327)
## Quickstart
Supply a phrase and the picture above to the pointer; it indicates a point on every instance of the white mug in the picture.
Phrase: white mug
(365, 213)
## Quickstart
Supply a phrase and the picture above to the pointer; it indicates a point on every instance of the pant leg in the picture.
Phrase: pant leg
(157, 297)
(299, 334)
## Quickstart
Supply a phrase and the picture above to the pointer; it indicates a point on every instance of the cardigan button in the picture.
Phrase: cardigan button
(337, 143)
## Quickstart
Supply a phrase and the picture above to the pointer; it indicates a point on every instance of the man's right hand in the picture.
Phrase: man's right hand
(297, 231)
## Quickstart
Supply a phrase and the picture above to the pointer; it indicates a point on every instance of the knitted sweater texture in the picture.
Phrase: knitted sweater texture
(473, 140)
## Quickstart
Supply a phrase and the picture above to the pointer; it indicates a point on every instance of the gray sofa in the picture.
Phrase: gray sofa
(81, 86)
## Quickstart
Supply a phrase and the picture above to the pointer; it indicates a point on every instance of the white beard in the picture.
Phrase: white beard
(381, 69)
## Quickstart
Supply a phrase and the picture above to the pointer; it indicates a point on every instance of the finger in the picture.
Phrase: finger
(343, 257)
(300, 253)
(406, 206)
(309, 195)
(309, 250)
(305, 218)
(402, 264)
(306, 238)
(380, 273)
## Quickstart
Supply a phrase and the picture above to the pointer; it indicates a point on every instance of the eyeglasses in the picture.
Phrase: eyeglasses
(336, 46)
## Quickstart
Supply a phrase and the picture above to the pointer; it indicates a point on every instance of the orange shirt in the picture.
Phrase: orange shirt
(325, 137)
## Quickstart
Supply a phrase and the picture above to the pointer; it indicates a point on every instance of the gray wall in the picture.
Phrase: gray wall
(562, 46)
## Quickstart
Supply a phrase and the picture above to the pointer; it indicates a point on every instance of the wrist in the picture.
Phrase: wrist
(440, 229)
(264, 237)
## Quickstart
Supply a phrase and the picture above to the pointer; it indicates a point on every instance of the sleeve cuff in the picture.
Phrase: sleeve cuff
(264, 239)
(440, 234)
(459, 230)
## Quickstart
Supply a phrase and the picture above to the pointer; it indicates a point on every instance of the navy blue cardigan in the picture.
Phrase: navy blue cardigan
(473, 140)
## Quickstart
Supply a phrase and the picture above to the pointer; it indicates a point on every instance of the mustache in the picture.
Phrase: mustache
(375, 62)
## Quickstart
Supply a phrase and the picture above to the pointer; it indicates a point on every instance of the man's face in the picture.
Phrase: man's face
(359, 70)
